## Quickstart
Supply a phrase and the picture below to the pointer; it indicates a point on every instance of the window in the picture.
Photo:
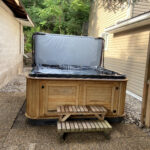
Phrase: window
(105, 36)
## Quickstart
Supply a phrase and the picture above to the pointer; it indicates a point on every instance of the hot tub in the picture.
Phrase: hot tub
(67, 70)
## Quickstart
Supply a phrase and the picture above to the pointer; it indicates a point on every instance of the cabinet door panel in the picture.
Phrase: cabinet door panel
(102, 94)
(60, 94)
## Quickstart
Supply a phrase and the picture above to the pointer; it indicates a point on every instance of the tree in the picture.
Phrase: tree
(56, 16)
(62, 16)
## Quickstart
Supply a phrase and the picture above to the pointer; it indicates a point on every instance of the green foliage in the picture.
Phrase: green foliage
(56, 16)
(28, 37)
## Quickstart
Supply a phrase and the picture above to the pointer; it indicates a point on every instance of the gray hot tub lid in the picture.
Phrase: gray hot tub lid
(57, 49)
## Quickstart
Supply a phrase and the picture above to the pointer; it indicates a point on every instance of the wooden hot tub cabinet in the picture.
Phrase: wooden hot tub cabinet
(45, 94)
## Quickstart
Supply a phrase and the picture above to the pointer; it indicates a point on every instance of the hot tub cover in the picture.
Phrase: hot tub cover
(57, 49)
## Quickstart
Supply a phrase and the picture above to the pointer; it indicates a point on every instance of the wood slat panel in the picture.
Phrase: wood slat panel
(99, 109)
(81, 108)
(92, 108)
(88, 125)
(72, 126)
(63, 126)
(100, 125)
(81, 126)
(108, 125)
(84, 125)
(96, 125)
(66, 109)
(68, 126)
(74, 108)
(70, 109)
(62, 109)
(85, 109)
(76, 125)
(104, 125)
(77, 108)
(58, 109)
(59, 126)
(92, 125)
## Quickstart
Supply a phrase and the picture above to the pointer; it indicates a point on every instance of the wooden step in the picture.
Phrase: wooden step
(66, 111)
(83, 126)
(81, 110)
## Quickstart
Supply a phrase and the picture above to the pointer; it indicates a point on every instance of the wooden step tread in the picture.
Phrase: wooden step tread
(83, 126)
(81, 109)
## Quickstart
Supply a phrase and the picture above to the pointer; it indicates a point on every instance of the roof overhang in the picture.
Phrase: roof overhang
(26, 22)
(19, 11)
(132, 23)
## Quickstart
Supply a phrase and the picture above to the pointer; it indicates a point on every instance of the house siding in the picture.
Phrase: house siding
(140, 7)
(11, 47)
(127, 51)
(101, 18)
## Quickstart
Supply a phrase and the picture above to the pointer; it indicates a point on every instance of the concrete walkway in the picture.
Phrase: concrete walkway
(18, 133)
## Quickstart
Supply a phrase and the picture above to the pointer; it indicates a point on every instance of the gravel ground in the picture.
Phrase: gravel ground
(133, 110)
(17, 133)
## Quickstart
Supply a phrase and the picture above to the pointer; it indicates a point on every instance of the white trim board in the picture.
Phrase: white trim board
(138, 21)
(134, 95)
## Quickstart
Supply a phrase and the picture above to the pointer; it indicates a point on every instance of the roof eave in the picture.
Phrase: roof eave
(132, 23)
(30, 23)
(25, 22)
(19, 11)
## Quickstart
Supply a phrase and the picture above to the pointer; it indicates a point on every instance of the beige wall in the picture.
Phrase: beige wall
(127, 51)
(11, 47)
(140, 7)
(101, 18)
